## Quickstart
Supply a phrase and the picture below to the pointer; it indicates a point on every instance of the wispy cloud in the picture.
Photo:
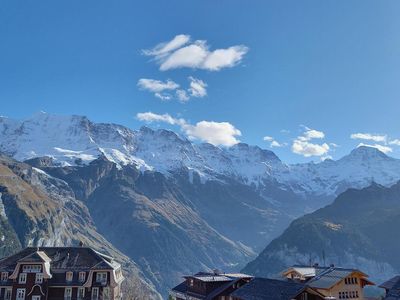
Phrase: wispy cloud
(369, 137)
(158, 87)
(216, 133)
(197, 87)
(382, 148)
(395, 142)
(163, 89)
(303, 144)
(164, 48)
(272, 142)
(180, 52)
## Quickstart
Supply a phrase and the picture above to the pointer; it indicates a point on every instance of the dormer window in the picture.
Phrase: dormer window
(4, 276)
(82, 276)
(101, 277)
(22, 278)
(69, 276)
(31, 268)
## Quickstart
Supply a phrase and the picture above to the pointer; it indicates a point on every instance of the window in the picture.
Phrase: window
(69, 276)
(95, 293)
(101, 277)
(356, 294)
(36, 297)
(82, 276)
(31, 268)
(106, 293)
(68, 293)
(39, 278)
(7, 294)
(4, 276)
(118, 273)
(22, 278)
(81, 293)
(20, 294)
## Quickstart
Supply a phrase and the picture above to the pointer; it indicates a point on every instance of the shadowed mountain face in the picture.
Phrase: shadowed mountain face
(169, 226)
(39, 210)
(359, 229)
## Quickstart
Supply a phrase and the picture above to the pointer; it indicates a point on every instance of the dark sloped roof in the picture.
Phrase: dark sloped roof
(180, 288)
(37, 256)
(329, 278)
(221, 289)
(391, 283)
(393, 288)
(62, 258)
(269, 289)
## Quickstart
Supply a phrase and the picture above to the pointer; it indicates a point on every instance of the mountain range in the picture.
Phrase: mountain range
(168, 205)
(358, 230)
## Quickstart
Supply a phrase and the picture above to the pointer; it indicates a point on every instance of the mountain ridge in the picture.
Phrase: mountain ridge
(354, 231)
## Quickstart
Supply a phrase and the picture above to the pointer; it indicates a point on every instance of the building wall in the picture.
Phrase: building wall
(343, 287)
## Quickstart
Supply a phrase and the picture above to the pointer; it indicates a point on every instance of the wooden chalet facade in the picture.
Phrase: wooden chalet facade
(60, 273)
(332, 282)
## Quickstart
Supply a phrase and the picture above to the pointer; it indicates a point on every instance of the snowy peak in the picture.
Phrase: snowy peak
(365, 153)
(75, 140)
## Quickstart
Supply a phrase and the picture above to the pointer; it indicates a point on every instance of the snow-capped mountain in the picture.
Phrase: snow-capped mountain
(75, 140)
(215, 207)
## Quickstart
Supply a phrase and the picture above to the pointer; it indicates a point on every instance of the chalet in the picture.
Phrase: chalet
(273, 289)
(210, 286)
(392, 288)
(332, 282)
(53, 273)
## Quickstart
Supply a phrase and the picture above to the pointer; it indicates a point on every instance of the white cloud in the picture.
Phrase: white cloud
(312, 134)
(161, 89)
(308, 149)
(166, 118)
(224, 58)
(268, 138)
(216, 133)
(370, 137)
(182, 95)
(197, 87)
(163, 96)
(166, 47)
(191, 56)
(156, 86)
(302, 144)
(326, 157)
(272, 142)
(384, 149)
(395, 142)
(179, 53)
(275, 144)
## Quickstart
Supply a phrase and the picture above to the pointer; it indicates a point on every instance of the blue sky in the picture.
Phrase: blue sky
(305, 74)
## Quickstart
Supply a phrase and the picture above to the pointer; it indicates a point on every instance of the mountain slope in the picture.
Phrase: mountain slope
(358, 230)
(39, 210)
(147, 216)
